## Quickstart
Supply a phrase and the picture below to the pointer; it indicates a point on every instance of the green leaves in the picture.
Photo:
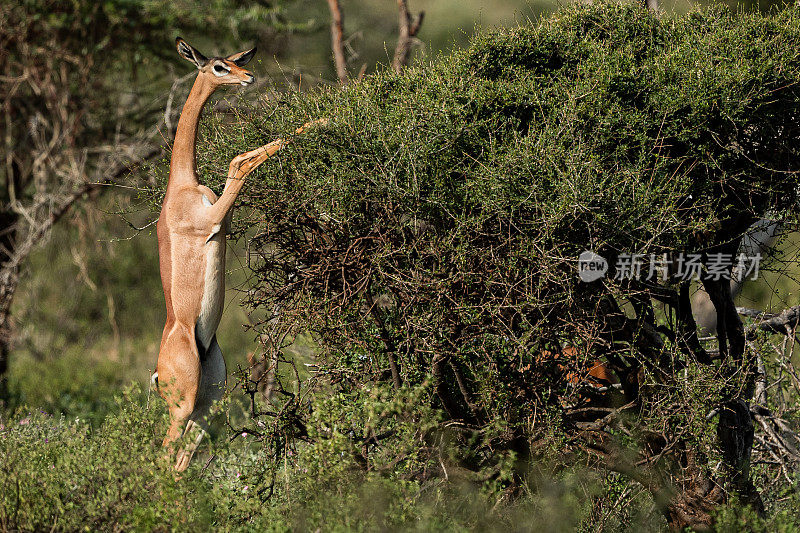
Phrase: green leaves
(460, 194)
(602, 128)
(634, 98)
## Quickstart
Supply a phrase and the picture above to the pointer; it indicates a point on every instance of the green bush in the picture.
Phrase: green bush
(66, 475)
(428, 234)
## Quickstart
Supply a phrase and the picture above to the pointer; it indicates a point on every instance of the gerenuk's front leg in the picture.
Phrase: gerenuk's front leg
(242, 166)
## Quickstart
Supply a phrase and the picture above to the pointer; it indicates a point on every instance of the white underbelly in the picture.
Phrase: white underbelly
(213, 300)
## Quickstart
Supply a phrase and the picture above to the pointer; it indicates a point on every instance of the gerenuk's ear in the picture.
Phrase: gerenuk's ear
(240, 59)
(190, 53)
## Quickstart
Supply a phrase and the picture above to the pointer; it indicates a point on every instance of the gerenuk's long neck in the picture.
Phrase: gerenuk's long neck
(182, 168)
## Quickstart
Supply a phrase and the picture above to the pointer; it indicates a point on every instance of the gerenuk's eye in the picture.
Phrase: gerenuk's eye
(219, 70)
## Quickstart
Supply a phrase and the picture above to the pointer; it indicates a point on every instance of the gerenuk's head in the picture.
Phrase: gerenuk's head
(219, 70)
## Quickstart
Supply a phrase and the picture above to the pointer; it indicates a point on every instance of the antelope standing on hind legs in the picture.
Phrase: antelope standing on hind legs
(191, 244)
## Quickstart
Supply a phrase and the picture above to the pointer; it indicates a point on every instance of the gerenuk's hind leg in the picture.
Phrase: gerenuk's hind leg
(212, 387)
(193, 435)
(179, 373)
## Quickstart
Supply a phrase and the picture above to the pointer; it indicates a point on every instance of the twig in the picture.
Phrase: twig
(171, 97)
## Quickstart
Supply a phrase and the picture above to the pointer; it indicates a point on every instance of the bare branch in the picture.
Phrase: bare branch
(39, 229)
(168, 111)
(782, 323)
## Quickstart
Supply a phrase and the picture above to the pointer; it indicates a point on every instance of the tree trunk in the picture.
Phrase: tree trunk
(735, 429)
(9, 280)
(409, 26)
(4, 349)
(337, 40)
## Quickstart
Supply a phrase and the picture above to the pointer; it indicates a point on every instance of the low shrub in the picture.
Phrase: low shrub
(66, 475)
